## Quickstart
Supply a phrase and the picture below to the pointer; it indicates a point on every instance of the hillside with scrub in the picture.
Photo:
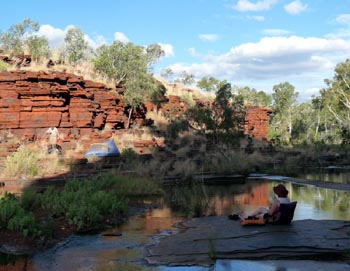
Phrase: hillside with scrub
(205, 132)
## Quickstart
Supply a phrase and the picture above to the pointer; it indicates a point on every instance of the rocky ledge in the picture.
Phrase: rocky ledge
(201, 241)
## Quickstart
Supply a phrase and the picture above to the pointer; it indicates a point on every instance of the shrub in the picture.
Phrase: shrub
(9, 207)
(51, 201)
(4, 66)
(83, 203)
(30, 199)
(13, 217)
(176, 127)
(24, 162)
(24, 223)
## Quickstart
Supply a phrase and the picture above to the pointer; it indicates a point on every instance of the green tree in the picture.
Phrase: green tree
(38, 47)
(153, 53)
(120, 61)
(157, 97)
(336, 99)
(253, 97)
(208, 83)
(284, 99)
(167, 74)
(76, 47)
(325, 129)
(127, 64)
(304, 123)
(14, 40)
(186, 78)
(223, 120)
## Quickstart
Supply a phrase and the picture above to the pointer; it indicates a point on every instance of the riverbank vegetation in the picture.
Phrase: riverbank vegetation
(44, 215)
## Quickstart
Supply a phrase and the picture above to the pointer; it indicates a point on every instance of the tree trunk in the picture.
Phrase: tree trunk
(318, 123)
(290, 124)
(129, 118)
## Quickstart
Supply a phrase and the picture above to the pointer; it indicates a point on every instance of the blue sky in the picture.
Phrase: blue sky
(249, 43)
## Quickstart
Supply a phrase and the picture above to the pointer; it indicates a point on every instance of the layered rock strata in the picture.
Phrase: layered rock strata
(31, 102)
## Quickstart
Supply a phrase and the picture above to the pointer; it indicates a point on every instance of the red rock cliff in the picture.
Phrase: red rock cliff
(30, 102)
(257, 122)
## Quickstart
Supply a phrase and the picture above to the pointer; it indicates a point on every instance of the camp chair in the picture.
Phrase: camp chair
(286, 213)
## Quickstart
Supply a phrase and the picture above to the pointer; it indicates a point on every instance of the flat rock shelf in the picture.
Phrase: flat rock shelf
(201, 241)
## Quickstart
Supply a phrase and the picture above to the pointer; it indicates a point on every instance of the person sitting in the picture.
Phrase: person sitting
(273, 213)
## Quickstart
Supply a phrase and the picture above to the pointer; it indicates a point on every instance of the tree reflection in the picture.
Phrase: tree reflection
(332, 201)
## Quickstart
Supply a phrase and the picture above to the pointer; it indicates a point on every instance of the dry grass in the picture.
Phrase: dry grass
(159, 120)
(31, 160)
(178, 89)
(84, 69)
(184, 167)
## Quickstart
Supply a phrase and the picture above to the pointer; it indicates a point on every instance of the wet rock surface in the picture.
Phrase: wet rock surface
(201, 241)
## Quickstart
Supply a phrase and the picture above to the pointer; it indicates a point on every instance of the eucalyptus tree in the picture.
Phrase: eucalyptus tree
(153, 53)
(128, 64)
(253, 97)
(23, 37)
(223, 119)
(208, 83)
(336, 99)
(38, 47)
(186, 78)
(284, 100)
(305, 124)
(167, 73)
(76, 47)
(13, 41)
(325, 130)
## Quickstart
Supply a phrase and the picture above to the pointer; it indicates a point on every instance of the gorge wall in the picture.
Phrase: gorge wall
(31, 102)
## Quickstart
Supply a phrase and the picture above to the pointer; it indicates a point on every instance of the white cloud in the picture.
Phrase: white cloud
(121, 37)
(295, 7)
(208, 37)
(277, 46)
(192, 52)
(304, 62)
(339, 34)
(256, 18)
(168, 49)
(275, 32)
(246, 5)
(343, 19)
(344, 31)
(97, 42)
(54, 35)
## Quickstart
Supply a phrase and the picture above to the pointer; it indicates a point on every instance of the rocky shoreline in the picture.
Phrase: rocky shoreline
(202, 241)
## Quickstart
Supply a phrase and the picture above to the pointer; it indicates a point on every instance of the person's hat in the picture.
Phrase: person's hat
(280, 190)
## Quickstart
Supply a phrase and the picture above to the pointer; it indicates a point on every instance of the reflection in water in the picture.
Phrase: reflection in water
(330, 174)
(313, 202)
(14, 263)
(98, 252)
(278, 265)
(318, 203)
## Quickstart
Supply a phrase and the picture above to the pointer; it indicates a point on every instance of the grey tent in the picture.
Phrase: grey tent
(105, 149)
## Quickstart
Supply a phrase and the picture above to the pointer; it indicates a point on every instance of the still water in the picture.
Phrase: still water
(334, 174)
(125, 252)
